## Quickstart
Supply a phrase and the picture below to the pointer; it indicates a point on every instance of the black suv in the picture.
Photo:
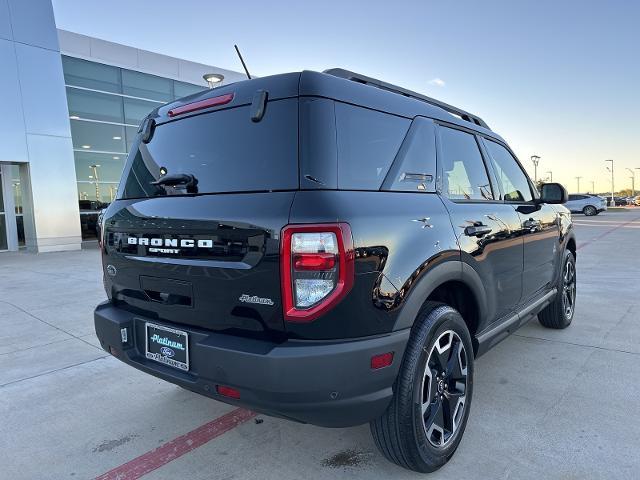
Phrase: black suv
(330, 249)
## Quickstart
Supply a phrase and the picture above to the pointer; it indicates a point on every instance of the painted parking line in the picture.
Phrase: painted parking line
(584, 220)
(637, 225)
(607, 232)
(178, 447)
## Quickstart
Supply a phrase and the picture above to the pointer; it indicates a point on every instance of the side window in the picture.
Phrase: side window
(464, 173)
(573, 197)
(368, 141)
(414, 169)
(515, 184)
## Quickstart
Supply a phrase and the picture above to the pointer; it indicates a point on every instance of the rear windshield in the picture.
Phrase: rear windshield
(224, 150)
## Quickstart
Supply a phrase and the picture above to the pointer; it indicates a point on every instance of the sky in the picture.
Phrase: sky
(559, 79)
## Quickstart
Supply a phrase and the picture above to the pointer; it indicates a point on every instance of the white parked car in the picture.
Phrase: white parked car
(586, 203)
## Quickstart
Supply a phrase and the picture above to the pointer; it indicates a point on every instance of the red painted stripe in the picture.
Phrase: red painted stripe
(177, 447)
(605, 233)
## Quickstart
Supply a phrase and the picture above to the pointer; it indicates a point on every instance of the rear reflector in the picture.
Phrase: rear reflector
(314, 261)
(227, 391)
(382, 360)
(202, 104)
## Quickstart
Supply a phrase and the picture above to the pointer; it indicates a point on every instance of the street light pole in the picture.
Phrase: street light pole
(535, 159)
(593, 186)
(578, 179)
(97, 180)
(633, 182)
(613, 202)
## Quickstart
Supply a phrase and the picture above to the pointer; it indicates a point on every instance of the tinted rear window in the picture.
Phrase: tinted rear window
(224, 150)
(368, 141)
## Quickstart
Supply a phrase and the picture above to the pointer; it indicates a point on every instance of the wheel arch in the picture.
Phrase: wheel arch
(455, 284)
(571, 246)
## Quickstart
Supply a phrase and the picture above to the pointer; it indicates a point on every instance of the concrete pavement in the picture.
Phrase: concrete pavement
(547, 404)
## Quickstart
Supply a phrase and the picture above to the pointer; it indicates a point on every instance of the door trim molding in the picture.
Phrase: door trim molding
(502, 329)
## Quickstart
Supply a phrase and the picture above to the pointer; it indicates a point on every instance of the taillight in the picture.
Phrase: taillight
(317, 269)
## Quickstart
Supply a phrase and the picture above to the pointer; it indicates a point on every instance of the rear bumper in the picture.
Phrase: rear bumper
(325, 383)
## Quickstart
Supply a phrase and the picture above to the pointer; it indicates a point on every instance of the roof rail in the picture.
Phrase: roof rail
(356, 77)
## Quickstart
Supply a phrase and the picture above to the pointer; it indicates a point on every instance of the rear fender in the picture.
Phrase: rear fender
(453, 270)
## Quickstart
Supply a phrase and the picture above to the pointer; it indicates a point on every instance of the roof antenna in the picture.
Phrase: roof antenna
(242, 60)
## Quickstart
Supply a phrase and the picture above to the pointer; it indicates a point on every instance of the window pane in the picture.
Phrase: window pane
(131, 134)
(464, 173)
(92, 75)
(224, 150)
(146, 86)
(97, 136)
(20, 225)
(514, 182)
(415, 167)
(368, 141)
(136, 110)
(3, 232)
(94, 105)
(1, 196)
(107, 167)
(94, 199)
(182, 89)
(17, 188)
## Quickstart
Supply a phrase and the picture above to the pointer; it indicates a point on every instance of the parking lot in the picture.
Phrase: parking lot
(547, 404)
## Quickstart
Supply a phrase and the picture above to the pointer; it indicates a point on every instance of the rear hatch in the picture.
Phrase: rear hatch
(205, 252)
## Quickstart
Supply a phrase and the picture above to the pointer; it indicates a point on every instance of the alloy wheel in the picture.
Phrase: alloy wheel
(444, 387)
(568, 289)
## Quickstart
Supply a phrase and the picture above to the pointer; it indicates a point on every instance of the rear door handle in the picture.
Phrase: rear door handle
(477, 230)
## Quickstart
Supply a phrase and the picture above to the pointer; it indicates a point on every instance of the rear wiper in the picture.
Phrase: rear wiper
(190, 182)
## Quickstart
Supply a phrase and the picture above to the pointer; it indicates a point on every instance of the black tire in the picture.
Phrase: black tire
(590, 210)
(559, 314)
(400, 433)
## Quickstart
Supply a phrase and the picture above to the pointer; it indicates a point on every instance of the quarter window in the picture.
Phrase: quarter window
(368, 141)
(464, 173)
(515, 185)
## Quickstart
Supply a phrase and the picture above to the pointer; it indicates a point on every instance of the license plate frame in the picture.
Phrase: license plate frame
(167, 346)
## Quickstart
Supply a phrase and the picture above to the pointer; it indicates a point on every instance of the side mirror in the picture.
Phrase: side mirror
(553, 193)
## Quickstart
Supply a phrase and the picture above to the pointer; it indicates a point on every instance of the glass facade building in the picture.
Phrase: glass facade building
(72, 105)
(106, 106)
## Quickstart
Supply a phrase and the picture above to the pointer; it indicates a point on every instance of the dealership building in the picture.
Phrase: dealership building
(71, 109)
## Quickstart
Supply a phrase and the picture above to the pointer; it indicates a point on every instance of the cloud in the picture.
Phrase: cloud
(438, 82)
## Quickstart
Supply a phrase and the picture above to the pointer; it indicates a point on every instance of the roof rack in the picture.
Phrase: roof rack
(356, 77)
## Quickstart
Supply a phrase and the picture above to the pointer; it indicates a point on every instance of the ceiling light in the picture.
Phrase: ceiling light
(86, 146)
(74, 117)
(213, 79)
(116, 158)
(117, 138)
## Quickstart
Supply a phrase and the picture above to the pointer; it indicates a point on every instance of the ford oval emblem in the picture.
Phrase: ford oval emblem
(167, 352)
(111, 270)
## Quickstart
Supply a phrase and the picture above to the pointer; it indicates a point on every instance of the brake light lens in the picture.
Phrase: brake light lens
(202, 104)
(317, 269)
